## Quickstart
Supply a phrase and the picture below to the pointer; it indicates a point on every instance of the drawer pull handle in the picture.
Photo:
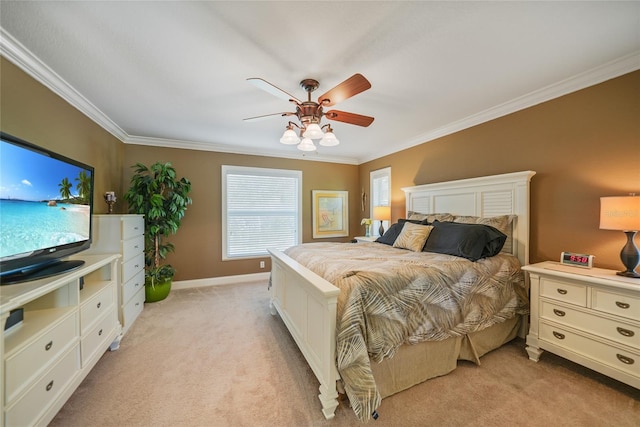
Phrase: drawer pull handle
(562, 291)
(622, 304)
(559, 313)
(48, 346)
(626, 360)
(99, 304)
(625, 332)
(136, 266)
(137, 304)
(558, 335)
(50, 385)
(100, 332)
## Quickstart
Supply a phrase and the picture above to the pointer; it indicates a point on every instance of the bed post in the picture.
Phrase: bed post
(307, 305)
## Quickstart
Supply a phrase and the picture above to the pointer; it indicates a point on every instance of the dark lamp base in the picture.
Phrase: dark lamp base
(631, 274)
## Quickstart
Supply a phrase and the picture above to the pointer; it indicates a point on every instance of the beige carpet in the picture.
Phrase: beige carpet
(214, 356)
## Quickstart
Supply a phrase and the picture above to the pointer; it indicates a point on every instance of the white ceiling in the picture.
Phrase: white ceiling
(174, 73)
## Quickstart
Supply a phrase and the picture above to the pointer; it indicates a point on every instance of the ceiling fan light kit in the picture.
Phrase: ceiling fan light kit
(310, 113)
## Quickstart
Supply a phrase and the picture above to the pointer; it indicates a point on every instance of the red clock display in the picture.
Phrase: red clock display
(578, 260)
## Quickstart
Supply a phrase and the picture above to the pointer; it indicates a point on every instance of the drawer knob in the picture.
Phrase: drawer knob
(558, 335)
(99, 304)
(50, 385)
(625, 332)
(622, 304)
(562, 291)
(624, 359)
(136, 266)
(100, 332)
(559, 313)
(48, 346)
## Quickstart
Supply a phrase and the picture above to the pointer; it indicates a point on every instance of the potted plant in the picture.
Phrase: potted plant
(162, 198)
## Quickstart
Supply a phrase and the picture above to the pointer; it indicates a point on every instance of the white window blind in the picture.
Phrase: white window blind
(261, 208)
(380, 194)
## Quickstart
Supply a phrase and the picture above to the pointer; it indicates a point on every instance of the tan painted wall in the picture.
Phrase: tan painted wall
(583, 146)
(30, 111)
(199, 242)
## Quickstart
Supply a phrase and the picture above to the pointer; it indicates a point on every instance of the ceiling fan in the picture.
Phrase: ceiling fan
(309, 112)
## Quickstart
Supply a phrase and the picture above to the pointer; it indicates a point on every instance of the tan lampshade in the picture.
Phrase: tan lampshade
(620, 213)
(382, 213)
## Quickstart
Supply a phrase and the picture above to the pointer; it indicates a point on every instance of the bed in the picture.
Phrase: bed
(304, 294)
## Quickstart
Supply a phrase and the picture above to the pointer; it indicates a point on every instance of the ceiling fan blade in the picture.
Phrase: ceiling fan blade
(351, 118)
(266, 116)
(348, 88)
(273, 90)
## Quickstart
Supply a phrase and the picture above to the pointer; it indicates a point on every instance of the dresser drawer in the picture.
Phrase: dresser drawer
(131, 287)
(131, 267)
(132, 226)
(615, 303)
(132, 247)
(133, 309)
(37, 399)
(620, 359)
(618, 331)
(96, 339)
(26, 364)
(92, 309)
(573, 293)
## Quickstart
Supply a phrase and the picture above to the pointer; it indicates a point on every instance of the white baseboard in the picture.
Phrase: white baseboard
(216, 281)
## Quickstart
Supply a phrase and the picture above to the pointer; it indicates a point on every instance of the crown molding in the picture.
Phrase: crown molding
(608, 71)
(15, 52)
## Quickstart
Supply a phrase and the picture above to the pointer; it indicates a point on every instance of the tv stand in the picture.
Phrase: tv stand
(41, 271)
(63, 334)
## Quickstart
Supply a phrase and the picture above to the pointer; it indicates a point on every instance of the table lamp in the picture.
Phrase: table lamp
(382, 213)
(623, 213)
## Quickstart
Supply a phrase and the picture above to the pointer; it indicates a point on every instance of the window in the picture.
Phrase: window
(261, 208)
(380, 195)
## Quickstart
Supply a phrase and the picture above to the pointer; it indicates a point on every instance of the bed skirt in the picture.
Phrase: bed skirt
(414, 364)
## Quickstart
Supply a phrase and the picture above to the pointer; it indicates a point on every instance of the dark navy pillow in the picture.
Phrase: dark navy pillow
(470, 241)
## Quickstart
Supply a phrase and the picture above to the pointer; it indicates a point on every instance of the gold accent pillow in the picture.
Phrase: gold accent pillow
(413, 236)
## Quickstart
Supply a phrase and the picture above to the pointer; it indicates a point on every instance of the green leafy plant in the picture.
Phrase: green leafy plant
(162, 198)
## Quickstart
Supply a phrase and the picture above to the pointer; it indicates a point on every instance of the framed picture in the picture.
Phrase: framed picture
(330, 213)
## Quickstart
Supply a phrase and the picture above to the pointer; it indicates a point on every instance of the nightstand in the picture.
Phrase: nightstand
(360, 239)
(589, 316)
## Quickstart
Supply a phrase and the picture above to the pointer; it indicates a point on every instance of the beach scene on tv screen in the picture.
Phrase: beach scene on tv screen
(44, 202)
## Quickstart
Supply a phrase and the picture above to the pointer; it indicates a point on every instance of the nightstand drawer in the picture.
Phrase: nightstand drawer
(617, 358)
(27, 410)
(573, 293)
(618, 331)
(132, 226)
(615, 303)
(132, 247)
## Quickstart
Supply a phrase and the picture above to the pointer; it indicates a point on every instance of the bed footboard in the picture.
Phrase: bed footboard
(307, 305)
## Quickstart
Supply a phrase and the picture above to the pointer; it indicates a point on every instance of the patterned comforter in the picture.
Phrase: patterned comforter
(392, 296)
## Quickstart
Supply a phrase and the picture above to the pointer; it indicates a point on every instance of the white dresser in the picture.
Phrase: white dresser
(64, 333)
(589, 316)
(124, 234)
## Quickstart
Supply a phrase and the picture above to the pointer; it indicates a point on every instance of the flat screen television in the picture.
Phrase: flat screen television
(46, 207)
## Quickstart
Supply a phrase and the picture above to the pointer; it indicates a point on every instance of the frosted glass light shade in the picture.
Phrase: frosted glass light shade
(329, 140)
(289, 137)
(313, 131)
(306, 145)
(620, 213)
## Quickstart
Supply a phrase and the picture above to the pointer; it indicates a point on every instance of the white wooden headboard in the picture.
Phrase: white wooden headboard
(486, 196)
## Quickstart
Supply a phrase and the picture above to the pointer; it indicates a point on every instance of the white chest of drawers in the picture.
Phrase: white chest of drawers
(589, 316)
(124, 234)
(63, 335)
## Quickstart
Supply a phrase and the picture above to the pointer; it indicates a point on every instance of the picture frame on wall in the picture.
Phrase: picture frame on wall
(330, 213)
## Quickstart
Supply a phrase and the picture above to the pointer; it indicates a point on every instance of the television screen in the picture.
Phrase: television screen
(46, 203)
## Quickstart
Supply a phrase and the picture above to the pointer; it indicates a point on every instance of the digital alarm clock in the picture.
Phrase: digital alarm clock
(577, 260)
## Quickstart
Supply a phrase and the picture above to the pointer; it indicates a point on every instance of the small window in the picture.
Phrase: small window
(380, 195)
(261, 208)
